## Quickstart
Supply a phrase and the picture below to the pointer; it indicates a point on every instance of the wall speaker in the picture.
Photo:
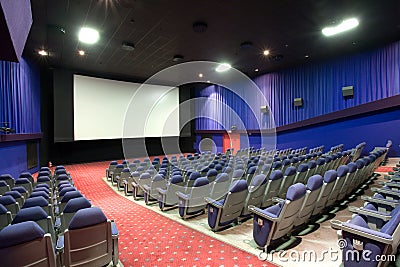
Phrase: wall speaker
(298, 102)
(348, 90)
(264, 109)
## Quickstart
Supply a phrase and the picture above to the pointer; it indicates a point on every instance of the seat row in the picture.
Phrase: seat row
(56, 210)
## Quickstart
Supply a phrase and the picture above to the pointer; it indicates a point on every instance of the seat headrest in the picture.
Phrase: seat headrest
(194, 175)
(70, 195)
(145, 175)
(6, 176)
(328, 159)
(35, 201)
(20, 233)
(135, 174)
(3, 183)
(258, 180)
(62, 177)
(294, 160)
(26, 175)
(290, 171)
(342, 170)
(39, 194)
(3, 209)
(43, 179)
(315, 182)
(87, 217)
(20, 189)
(330, 176)
(119, 166)
(238, 186)
(126, 170)
(7, 200)
(352, 167)
(320, 161)
(296, 191)
(252, 170)
(238, 173)
(212, 172)
(227, 169)
(359, 221)
(176, 179)
(61, 171)
(277, 165)
(44, 189)
(360, 163)
(302, 167)
(275, 175)
(158, 177)
(76, 204)
(218, 167)
(366, 161)
(30, 214)
(391, 225)
(22, 181)
(14, 194)
(201, 181)
(222, 177)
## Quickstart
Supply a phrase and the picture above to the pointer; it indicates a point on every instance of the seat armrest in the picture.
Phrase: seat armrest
(277, 200)
(213, 202)
(114, 230)
(60, 244)
(371, 213)
(134, 184)
(183, 196)
(367, 233)
(146, 187)
(380, 201)
(385, 191)
(161, 191)
(264, 214)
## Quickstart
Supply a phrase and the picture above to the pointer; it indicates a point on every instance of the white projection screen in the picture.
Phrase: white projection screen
(100, 106)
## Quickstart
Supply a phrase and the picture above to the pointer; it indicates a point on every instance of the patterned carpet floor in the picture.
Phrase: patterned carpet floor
(150, 239)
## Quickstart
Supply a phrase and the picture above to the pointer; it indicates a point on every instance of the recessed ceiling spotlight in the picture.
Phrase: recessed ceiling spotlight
(266, 52)
(223, 67)
(255, 70)
(346, 25)
(88, 35)
(306, 55)
(208, 81)
(43, 52)
(81, 52)
(200, 75)
(177, 58)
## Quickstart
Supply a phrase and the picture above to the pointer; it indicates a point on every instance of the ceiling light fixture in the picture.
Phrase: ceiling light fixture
(346, 25)
(223, 67)
(88, 35)
(266, 52)
(200, 75)
(256, 70)
(81, 52)
(43, 52)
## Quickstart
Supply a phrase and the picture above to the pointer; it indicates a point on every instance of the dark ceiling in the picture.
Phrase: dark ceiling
(290, 29)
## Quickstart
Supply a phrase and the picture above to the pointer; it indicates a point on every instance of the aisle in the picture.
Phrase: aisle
(149, 239)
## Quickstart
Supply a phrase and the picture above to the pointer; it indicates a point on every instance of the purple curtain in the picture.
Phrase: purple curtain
(374, 75)
(20, 96)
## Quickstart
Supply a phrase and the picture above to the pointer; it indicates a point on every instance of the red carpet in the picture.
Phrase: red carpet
(149, 239)
(384, 169)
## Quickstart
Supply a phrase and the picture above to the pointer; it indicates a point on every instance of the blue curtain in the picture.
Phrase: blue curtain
(20, 96)
(374, 75)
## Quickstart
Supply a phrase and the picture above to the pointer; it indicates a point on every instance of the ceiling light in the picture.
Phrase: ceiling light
(43, 52)
(306, 55)
(266, 52)
(81, 52)
(88, 35)
(208, 81)
(256, 70)
(346, 25)
(223, 67)
(201, 75)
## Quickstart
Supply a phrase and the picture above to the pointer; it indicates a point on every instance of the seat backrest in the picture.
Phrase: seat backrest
(256, 193)
(71, 208)
(288, 179)
(273, 186)
(5, 217)
(234, 201)
(24, 182)
(220, 186)
(329, 181)
(10, 203)
(29, 238)
(314, 185)
(8, 179)
(88, 239)
(294, 200)
(302, 172)
(200, 190)
(341, 177)
(17, 196)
